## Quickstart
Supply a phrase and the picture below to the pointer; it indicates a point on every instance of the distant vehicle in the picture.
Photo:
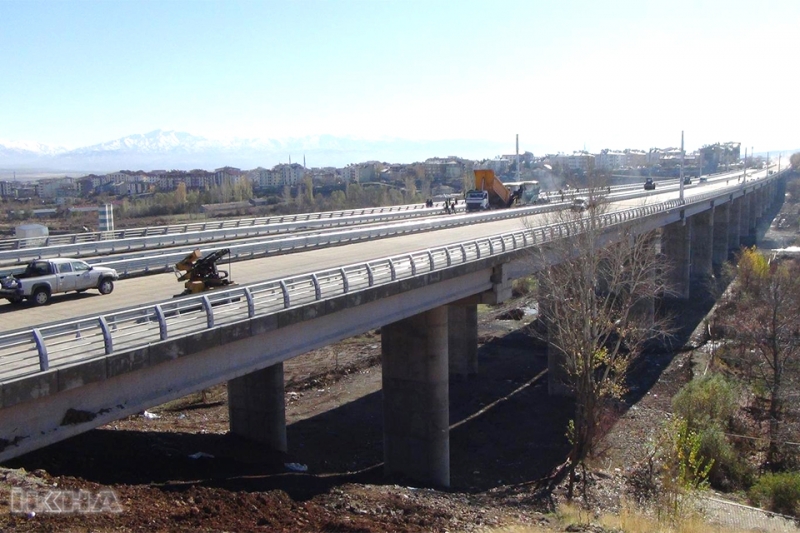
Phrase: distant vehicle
(649, 184)
(44, 277)
(687, 180)
(579, 204)
(703, 179)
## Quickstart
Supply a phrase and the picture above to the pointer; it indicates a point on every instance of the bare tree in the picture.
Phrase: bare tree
(597, 290)
(761, 313)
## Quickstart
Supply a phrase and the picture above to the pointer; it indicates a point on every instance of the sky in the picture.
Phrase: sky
(564, 75)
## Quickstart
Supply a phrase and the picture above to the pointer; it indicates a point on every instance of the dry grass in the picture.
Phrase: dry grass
(627, 521)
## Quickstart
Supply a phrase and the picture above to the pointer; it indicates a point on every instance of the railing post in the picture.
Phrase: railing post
(345, 283)
(392, 269)
(162, 322)
(285, 290)
(107, 340)
(370, 275)
(251, 304)
(44, 363)
(209, 312)
(317, 289)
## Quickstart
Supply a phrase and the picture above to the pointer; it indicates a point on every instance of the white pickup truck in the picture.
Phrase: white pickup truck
(45, 277)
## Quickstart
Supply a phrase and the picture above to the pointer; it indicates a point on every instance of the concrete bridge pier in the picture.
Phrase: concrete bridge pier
(702, 248)
(755, 214)
(257, 407)
(719, 251)
(677, 246)
(462, 337)
(747, 224)
(734, 226)
(416, 411)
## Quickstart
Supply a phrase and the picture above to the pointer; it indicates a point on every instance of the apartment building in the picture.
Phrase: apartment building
(579, 160)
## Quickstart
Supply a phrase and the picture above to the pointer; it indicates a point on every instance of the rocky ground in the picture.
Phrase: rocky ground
(175, 468)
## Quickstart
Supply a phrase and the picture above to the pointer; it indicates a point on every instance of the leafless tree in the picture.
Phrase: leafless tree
(597, 290)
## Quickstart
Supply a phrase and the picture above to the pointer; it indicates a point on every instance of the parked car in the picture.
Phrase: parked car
(45, 277)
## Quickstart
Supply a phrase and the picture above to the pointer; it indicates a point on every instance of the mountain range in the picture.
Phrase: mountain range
(179, 150)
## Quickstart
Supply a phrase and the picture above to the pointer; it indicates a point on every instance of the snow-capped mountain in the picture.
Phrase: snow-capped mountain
(179, 150)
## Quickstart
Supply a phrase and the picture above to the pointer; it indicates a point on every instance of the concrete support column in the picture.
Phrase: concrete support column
(462, 338)
(758, 204)
(719, 252)
(645, 309)
(416, 431)
(734, 223)
(702, 246)
(745, 236)
(676, 244)
(257, 407)
(755, 213)
(558, 380)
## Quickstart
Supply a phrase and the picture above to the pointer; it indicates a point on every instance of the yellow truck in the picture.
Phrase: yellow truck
(489, 193)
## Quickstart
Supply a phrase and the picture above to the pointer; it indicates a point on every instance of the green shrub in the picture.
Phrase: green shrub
(779, 493)
(523, 286)
(707, 401)
(730, 470)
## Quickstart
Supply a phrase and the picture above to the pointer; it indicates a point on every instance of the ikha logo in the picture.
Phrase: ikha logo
(64, 502)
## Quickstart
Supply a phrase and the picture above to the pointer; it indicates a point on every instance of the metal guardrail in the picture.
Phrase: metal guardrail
(156, 262)
(17, 257)
(15, 253)
(56, 345)
(177, 229)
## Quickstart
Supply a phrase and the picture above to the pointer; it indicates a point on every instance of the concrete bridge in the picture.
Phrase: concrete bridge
(59, 380)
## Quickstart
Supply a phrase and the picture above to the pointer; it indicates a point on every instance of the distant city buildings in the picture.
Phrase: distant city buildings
(440, 173)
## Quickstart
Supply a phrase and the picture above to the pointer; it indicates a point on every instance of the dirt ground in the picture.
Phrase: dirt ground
(175, 467)
(506, 433)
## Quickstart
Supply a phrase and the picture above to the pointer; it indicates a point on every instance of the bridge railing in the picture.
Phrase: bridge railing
(66, 343)
(76, 238)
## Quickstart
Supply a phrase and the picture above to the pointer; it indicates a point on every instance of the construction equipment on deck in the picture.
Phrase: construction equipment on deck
(201, 274)
(490, 193)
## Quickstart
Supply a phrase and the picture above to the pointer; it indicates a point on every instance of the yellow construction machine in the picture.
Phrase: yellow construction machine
(200, 273)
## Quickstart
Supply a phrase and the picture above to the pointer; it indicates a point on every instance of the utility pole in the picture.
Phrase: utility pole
(681, 174)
